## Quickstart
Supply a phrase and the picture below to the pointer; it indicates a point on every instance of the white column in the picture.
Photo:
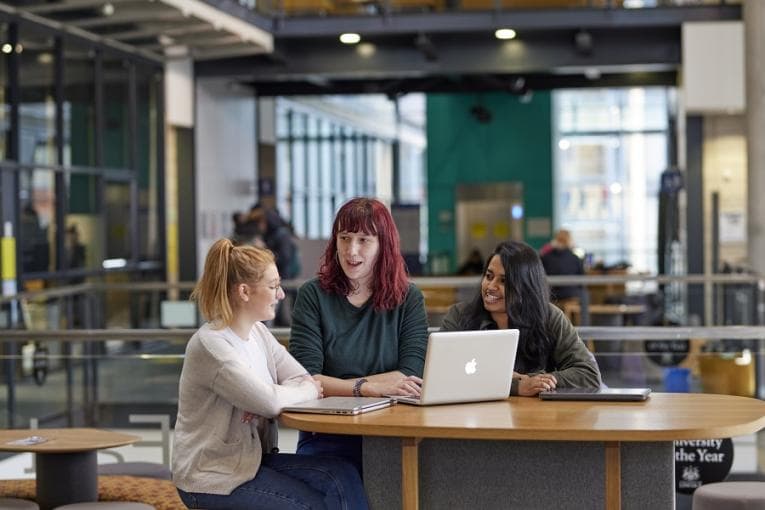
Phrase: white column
(754, 48)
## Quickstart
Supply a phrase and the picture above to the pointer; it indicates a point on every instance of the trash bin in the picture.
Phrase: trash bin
(677, 380)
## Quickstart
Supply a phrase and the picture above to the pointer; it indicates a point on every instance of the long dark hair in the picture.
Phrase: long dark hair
(390, 283)
(527, 301)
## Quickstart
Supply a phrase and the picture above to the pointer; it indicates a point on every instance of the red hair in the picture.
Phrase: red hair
(390, 283)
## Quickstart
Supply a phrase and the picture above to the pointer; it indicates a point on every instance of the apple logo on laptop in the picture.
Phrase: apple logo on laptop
(471, 367)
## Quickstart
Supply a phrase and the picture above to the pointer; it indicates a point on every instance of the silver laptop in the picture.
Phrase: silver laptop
(615, 394)
(467, 366)
(341, 405)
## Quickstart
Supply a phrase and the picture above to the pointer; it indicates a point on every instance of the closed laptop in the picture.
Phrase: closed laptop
(615, 394)
(341, 405)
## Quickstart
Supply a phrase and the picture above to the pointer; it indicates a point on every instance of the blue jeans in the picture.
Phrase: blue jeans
(331, 445)
(291, 482)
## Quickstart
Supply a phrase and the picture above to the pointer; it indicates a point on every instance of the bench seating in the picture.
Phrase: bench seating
(161, 494)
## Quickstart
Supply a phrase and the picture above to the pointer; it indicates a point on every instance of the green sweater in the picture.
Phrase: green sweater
(332, 337)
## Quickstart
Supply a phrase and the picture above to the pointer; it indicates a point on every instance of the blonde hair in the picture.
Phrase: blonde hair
(226, 266)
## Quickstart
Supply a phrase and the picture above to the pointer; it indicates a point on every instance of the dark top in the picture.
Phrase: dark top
(330, 336)
(562, 261)
(572, 364)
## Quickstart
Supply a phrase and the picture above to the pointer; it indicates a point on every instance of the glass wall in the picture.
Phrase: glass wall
(5, 108)
(37, 108)
(84, 185)
(335, 148)
(610, 149)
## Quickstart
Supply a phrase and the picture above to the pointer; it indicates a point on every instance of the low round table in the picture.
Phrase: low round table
(66, 461)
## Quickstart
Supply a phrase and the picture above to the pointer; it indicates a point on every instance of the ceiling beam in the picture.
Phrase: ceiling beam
(127, 17)
(456, 55)
(70, 5)
(520, 20)
(170, 30)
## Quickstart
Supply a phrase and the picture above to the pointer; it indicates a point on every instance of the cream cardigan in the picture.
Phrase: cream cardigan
(213, 451)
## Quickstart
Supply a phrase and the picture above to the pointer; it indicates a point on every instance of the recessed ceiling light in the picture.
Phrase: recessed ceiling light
(505, 33)
(7, 48)
(366, 49)
(349, 38)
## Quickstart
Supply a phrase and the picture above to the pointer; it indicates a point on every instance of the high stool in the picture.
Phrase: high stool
(730, 496)
(18, 504)
(107, 505)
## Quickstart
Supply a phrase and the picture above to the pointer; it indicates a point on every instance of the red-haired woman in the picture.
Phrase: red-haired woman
(360, 327)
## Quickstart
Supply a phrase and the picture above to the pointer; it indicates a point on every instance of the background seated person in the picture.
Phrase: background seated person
(514, 294)
(559, 259)
(236, 378)
(360, 326)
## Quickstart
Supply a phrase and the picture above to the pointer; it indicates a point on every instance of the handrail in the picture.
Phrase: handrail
(182, 335)
(420, 281)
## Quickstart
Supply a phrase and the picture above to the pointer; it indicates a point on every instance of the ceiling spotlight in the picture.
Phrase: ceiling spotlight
(19, 48)
(350, 38)
(592, 73)
(366, 49)
(423, 43)
(518, 84)
(505, 33)
(45, 58)
(7, 48)
(583, 42)
(107, 9)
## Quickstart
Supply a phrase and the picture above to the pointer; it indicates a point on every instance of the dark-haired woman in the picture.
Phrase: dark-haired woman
(360, 327)
(514, 294)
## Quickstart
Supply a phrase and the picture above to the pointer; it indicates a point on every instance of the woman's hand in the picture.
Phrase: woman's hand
(406, 385)
(531, 385)
(316, 382)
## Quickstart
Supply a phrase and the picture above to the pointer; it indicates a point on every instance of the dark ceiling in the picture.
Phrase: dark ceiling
(400, 51)
(457, 51)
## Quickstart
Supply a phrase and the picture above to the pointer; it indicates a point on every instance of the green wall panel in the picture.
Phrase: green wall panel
(515, 145)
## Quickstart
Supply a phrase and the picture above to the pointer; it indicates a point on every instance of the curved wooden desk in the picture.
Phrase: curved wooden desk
(66, 467)
(664, 417)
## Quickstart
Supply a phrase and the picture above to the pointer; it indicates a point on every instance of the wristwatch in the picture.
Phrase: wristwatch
(357, 386)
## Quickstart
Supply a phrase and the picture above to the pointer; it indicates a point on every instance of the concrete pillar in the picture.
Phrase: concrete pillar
(754, 47)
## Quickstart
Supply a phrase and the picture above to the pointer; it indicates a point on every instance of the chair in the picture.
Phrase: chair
(144, 469)
(18, 504)
(730, 496)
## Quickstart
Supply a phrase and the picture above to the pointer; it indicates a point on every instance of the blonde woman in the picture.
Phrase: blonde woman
(236, 378)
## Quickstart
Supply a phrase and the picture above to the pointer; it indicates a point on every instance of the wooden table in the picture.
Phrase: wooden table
(664, 418)
(66, 467)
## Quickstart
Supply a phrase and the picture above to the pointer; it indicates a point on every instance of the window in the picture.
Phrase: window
(610, 149)
(322, 161)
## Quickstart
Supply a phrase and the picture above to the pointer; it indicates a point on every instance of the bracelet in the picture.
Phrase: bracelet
(357, 386)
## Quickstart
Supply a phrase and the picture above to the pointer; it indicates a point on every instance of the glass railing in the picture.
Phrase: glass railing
(93, 353)
(99, 377)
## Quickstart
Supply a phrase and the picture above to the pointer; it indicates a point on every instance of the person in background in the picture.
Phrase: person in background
(235, 379)
(472, 265)
(74, 252)
(514, 294)
(559, 259)
(277, 236)
(360, 327)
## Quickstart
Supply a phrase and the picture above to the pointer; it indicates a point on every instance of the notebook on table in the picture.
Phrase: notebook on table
(341, 405)
(467, 366)
(614, 394)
